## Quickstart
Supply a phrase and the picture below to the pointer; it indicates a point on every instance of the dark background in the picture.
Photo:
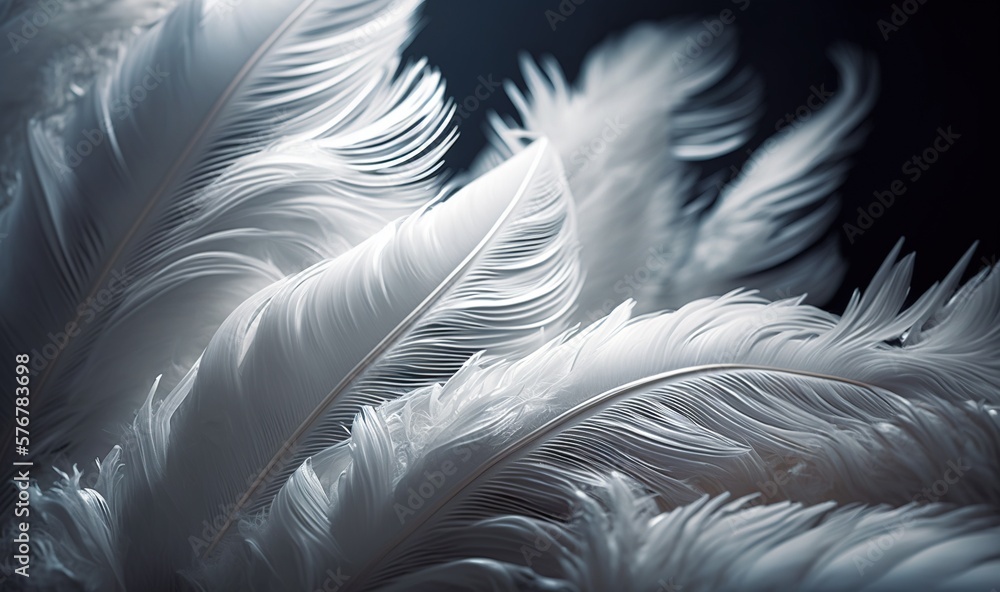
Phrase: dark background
(938, 70)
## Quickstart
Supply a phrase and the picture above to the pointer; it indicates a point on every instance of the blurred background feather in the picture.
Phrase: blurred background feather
(255, 292)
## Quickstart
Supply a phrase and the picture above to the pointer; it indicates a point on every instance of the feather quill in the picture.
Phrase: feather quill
(524, 459)
(489, 268)
(290, 266)
(637, 398)
(132, 214)
(271, 214)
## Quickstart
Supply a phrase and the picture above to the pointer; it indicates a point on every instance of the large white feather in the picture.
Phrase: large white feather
(489, 268)
(297, 142)
(271, 214)
(131, 201)
(639, 110)
(619, 539)
(940, 345)
(512, 455)
(638, 397)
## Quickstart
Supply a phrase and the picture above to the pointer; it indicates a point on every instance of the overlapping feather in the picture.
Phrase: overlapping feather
(51, 52)
(490, 268)
(768, 228)
(619, 538)
(279, 456)
(640, 110)
(271, 214)
(143, 245)
(649, 399)
(624, 132)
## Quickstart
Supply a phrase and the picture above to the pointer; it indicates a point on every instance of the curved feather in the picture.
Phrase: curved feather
(638, 111)
(531, 473)
(53, 50)
(623, 135)
(271, 214)
(637, 398)
(619, 538)
(939, 346)
(417, 481)
(106, 196)
(765, 230)
(489, 268)
(733, 394)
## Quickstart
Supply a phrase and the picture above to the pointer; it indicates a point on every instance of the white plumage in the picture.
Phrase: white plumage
(365, 375)
(191, 215)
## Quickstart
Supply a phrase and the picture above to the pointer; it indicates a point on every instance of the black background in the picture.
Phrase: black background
(937, 70)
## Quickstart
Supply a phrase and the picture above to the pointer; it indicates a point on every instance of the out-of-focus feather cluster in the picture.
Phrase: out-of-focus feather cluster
(309, 358)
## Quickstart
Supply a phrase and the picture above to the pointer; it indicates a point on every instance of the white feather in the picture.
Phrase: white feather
(53, 49)
(640, 109)
(318, 422)
(623, 132)
(489, 268)
(271, 214)
(765, 230)
(637, 398)
(137, 202)
(619, 539)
